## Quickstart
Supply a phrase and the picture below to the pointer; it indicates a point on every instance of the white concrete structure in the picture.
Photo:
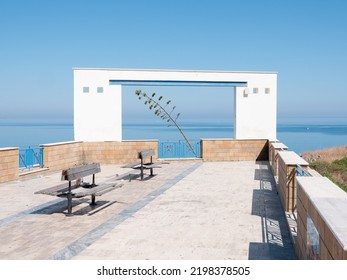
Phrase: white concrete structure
(98, 99)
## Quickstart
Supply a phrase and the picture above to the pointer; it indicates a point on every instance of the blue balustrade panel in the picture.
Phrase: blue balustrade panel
(179, 149)
(30, 157)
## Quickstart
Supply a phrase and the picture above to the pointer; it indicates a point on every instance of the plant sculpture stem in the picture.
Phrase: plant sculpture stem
(163, 113)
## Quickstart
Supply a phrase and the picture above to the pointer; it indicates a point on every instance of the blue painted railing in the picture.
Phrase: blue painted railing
(178, 149)
(300, 171)
(30, 157)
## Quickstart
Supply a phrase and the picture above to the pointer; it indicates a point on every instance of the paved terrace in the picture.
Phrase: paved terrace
(189, 210)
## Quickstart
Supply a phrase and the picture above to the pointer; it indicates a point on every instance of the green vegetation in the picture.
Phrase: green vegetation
(335, 171)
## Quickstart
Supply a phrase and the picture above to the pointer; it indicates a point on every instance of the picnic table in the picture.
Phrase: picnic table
(78, 190)
(146, 162)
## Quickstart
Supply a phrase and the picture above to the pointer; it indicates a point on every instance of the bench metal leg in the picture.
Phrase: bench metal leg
(69, 201)
(93, 200)
(69, 204)
(151, 171)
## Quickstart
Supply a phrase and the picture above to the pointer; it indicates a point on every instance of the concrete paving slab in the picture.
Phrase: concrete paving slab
(189, 210)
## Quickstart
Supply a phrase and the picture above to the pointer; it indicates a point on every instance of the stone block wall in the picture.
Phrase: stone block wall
(325, 204)
(9, 164)
(116, 152)
(58, 156)
(274, 148)
(286, 185)
(287, 162)
(234, 150)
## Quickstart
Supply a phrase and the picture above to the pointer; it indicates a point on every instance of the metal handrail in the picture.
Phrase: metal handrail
(31, 157)
(178, 149)
(300, 171)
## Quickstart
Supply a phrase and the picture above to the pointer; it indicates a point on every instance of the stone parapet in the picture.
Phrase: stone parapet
(9, 164)
(116, 152)
(287, 162)
(321, 220)
(58, 156)
(274, 148)
(234, 150)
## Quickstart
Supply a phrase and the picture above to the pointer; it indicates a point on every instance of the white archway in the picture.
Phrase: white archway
(98, 99)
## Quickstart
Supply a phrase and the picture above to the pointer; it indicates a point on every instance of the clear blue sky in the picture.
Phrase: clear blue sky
(304, 41)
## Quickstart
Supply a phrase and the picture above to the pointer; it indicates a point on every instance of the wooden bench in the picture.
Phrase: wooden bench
(78, 190)
(142, 165)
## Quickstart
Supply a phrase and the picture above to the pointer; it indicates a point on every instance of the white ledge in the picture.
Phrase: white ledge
(60, 143)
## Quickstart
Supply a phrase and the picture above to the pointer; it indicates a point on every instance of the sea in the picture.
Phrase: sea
(300, 134)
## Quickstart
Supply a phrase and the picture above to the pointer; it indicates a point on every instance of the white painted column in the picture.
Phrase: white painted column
(255, 113)
(97, 108)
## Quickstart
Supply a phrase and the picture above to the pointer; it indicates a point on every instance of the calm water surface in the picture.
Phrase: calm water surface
(299, 137)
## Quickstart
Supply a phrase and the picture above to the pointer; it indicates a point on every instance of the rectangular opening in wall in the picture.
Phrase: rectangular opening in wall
(267, 90)
(99, 89)
(313, 249)
(85, 89)
(205, 112)
(255, 90)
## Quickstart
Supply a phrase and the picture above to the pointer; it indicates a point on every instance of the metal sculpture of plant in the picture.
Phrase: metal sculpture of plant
(163, 111)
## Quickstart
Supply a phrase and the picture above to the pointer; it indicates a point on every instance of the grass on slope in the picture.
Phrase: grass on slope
(336, 171)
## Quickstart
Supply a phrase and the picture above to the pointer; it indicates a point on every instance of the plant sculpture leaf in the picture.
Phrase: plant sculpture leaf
(163, 113)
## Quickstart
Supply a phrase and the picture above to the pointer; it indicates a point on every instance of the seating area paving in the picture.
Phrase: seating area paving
(189, 210)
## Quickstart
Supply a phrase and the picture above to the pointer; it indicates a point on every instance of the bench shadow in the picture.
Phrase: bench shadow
(131, 176)
(276, 242)
(93, 209)
(61, 207)
(148, 177)
(125, 176)
(58, 207)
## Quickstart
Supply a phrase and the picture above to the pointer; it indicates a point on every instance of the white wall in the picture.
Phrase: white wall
(98, 116)
(256, 113)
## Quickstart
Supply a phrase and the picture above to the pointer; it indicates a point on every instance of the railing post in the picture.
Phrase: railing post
(41, 157)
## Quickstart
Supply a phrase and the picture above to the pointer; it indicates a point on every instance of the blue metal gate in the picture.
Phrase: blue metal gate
(30, 157)
(178, 149)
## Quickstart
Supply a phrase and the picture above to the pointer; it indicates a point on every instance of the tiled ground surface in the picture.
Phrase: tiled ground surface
(189, 210)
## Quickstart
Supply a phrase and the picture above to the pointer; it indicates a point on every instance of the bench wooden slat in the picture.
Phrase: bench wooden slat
(94, 191)
(83, 167)
(152, 165)
(57, 190)
(101, 192)
(81, 174)
(146, 153)
(131, 165)
(80, 171)
(149, 166)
